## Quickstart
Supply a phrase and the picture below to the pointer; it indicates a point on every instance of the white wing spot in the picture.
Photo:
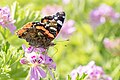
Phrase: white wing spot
(59, 22)
(63, 16)
(53, 28)
(55, 18)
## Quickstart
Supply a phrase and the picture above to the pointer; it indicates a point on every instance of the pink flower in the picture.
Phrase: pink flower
(36, 72)
(93, 72)
(49, 62)
(108, 43)
(103, 13)
(112, 45)
(37, 59)
(66, 1)
(6, 19)
(51, 9)
(68, 29)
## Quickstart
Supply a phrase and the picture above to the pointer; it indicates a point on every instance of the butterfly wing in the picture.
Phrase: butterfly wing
(54, 23)
(40, 34)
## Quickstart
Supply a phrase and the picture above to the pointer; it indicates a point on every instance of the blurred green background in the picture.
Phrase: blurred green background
(84, 45)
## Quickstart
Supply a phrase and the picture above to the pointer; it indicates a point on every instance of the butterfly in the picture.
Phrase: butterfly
(41, 34)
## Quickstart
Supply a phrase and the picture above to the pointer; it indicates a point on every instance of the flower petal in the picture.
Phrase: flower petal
(11, 27)
(41, 58)
(23, 61)
(53, 66)
(40, 50)
(32, 57)
(41, 73)
(33, 74)
(23, 47)
(48, 60)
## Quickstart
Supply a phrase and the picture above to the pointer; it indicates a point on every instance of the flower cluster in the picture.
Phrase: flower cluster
(103, 13)
(112, 45)
(93, 72)
(38, 60)
(6, 19)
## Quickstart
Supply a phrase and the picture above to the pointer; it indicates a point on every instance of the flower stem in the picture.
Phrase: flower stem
(2, 34)
(28, 77)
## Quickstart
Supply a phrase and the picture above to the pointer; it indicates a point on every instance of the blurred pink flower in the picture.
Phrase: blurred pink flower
(93, 72)
(103, 13)
(51, 9)
(68, 29)
(112, 45)
(6, 20)
(66, 1)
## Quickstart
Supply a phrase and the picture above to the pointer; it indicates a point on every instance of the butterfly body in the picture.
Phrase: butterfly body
(41, 34)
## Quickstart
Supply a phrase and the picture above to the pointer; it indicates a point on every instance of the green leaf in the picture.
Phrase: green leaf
(83, 76)
(23, 15)
(5, 47)
(14, 9)
(69, 78)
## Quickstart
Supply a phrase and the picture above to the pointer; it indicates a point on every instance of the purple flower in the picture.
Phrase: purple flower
(68, 29)
(35, 61)
(38, 59)
(49, 62)
(112, 45)
(93, 72)
(6, 19)
(51, 9)
(103, 13)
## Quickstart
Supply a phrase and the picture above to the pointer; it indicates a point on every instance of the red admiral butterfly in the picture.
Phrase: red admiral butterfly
(41, 34)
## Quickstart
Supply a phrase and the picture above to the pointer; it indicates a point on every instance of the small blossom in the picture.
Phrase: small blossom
(68, 29)
(50, 10)
(112, 45)
(6, 20)
(93, 72)
(35, 61)
(35, 58)
(103, 13)
(49, 62)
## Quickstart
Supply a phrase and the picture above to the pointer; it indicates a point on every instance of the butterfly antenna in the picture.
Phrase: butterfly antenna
(63, 40)
(55, 52)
